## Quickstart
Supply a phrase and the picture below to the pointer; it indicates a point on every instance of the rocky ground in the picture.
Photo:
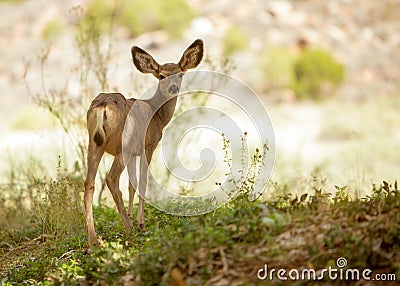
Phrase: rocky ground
(362, 34)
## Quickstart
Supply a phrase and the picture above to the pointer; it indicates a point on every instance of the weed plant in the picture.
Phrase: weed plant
(313, 74)
(231, 243)
(170, 16)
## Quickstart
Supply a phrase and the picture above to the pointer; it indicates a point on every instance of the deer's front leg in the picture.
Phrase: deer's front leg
(144, 164)
(132, 183)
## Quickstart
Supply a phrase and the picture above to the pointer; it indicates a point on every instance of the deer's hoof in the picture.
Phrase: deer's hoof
(95, 243)
(141, 227)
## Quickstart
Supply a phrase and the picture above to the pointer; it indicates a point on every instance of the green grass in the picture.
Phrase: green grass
(229, 244)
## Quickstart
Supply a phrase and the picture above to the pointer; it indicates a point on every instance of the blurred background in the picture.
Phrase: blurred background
(328, 72)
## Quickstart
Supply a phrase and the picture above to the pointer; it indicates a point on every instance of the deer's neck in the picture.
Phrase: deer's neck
(162, 106)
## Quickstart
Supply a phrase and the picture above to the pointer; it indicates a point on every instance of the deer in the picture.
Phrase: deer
(106, 119)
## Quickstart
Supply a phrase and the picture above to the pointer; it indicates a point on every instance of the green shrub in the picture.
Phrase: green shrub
(140, 16)
(143, 16)
(98, 16)
(29, 118)
(235, 40)
(29, 199)
(52, 30)
(234, 237)
(276, 65)
(13, 1)
(316, 75)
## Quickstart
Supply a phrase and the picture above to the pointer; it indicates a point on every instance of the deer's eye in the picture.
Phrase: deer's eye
(180, 75)
(161, 77)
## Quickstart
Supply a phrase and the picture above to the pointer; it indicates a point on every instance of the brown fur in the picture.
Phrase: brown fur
(106, 119)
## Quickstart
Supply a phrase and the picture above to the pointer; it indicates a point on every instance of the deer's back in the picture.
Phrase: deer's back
(119, 113)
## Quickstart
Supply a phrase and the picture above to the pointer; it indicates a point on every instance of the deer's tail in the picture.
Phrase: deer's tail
(99, 135)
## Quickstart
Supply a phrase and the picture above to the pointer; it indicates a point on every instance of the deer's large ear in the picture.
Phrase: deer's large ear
(144, 62)
(192, 55)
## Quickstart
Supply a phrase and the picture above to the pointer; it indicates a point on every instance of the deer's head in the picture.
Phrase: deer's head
(170, 74)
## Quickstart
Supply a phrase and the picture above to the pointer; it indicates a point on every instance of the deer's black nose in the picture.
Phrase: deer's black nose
(173, 89)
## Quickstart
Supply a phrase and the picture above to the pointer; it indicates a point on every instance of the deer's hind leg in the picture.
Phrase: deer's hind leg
(112, 181)
(94, 156)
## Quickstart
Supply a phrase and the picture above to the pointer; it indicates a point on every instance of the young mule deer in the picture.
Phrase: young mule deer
(145, 121)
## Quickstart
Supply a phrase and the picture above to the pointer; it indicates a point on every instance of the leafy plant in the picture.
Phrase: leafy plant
(208, 249)
(235, 40)
(23, 120)
(313, 74)
(52, 30)
(14, 1)
(140, 16)
(92, 70)
(316, 74)
(276, 65)
(244, 179)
